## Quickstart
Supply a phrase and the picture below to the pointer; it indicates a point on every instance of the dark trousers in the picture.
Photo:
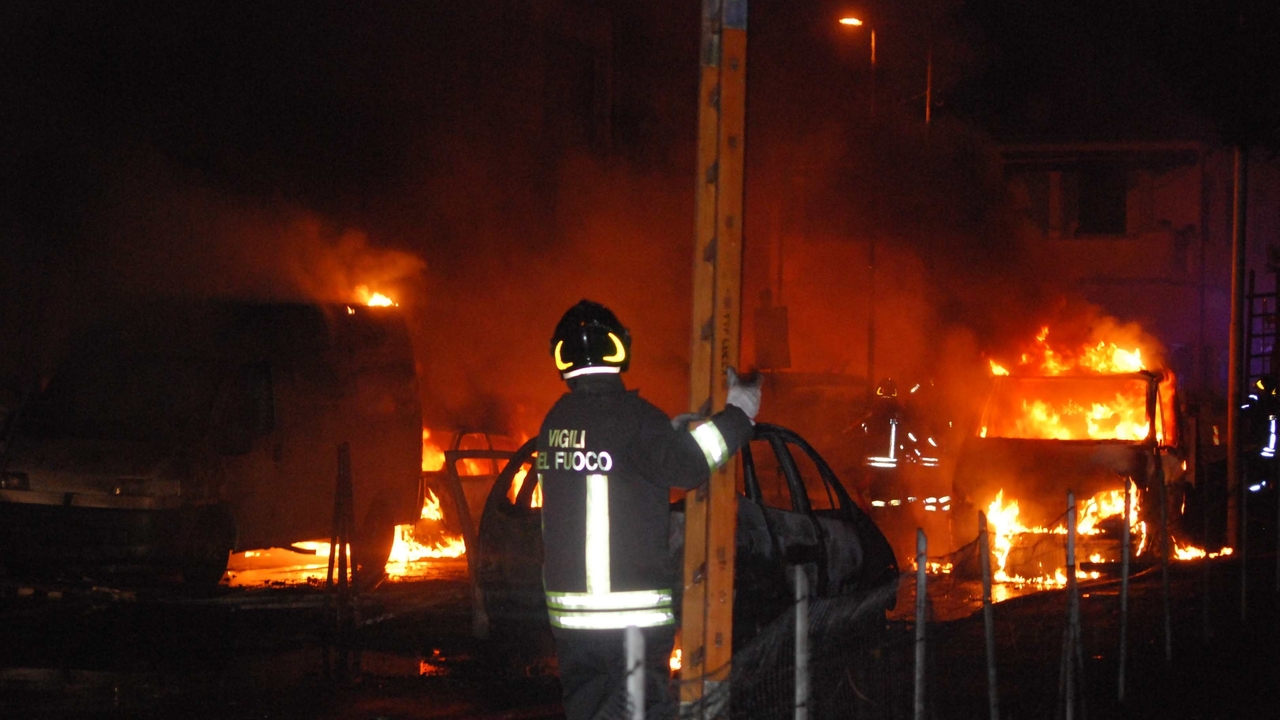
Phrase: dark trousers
(593, 673)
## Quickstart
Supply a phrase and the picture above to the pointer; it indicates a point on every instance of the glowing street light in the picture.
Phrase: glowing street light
(857, 22)
(928, 81)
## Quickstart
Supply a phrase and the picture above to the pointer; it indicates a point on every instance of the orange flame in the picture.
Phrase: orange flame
(364, 296)
(518, 482)
(1104, 357)
(431, 507)
(1086, 411)
(1191, 552)
(1002, 517)
(432, 455)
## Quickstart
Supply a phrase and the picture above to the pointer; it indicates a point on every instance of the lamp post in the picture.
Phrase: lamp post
(853, 22)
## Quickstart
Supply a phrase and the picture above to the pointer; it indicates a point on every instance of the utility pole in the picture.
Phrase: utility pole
(1237, 353)
(928, 88)
(711, 510)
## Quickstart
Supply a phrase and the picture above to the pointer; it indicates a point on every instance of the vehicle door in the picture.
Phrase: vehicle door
(510, 540)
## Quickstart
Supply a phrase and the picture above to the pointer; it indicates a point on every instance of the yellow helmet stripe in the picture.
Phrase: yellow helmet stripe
(560, 364)
(619, 352)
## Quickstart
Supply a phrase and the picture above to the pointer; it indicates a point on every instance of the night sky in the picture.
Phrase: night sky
(451, 152)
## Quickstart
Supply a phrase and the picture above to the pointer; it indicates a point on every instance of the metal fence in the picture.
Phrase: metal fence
(838, 657)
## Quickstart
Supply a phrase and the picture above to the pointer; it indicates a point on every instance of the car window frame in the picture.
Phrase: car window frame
(783, 437)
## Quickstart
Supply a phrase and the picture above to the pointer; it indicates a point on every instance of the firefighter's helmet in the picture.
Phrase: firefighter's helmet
(887, 388)
(589, 339)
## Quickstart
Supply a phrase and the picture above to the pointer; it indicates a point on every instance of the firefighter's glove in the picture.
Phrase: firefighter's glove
(743, 395)
(681, 421)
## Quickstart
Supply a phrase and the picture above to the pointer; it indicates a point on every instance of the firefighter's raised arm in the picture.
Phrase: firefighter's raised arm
(680, 453)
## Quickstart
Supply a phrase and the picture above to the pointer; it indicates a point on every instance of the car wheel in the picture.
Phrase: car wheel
(208, 547)
(374, 538)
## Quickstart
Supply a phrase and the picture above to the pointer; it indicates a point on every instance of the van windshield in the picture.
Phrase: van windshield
(1092, 407)
(150, 398)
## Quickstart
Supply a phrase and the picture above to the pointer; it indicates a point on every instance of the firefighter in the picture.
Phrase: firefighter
(606, 460)
(884, 477)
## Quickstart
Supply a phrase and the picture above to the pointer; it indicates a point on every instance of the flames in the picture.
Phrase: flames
(425, 539)
(518, 482)
(407, 548)
(1191, 552)
(1100, 408)
(1008, 532)
(1104, 357)
(1044, 360)
(365, 296)
(432, 455)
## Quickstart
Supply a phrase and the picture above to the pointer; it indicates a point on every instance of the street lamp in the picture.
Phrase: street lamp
(856, 22)
(853, 22)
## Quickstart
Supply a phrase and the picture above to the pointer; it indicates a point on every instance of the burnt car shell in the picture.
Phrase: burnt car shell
(792, 510)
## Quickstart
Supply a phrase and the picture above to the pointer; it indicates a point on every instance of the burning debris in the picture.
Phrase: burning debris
(1018, 549)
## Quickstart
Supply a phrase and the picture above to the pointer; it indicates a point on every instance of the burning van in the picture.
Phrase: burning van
(174, 433)
(1081, 420)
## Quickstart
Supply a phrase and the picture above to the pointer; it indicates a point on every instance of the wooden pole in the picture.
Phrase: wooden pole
(711, 511)
(988, 617)
(922, 594)
(1125, 553)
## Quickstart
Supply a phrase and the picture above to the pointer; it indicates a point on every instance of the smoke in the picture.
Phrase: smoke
(153, 236)
(929, 204)
(1073, 324)
(155, 233)
(616, 235)
(280, 163)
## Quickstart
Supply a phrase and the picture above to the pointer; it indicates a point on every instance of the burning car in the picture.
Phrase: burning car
(792, 510)
(177, 432)
(1081, 420)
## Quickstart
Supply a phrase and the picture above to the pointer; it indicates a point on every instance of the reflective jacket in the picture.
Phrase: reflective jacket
(606, 460)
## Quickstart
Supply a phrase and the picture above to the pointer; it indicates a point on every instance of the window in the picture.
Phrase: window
(769, 474)
(1030, 190)
(1101, 200)
(821, 497)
